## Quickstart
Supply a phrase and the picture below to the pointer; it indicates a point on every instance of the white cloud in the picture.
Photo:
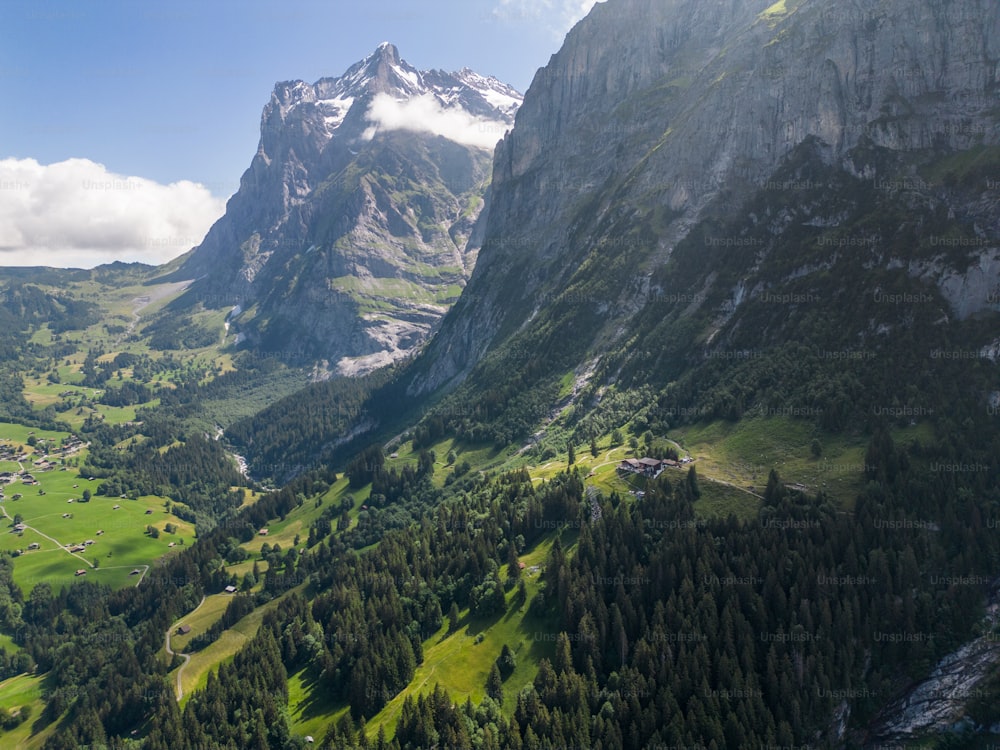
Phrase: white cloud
(425, 114)
(76, 213)
(559, 15)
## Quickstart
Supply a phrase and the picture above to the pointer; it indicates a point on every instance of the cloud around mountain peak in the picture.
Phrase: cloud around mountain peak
(425, 114)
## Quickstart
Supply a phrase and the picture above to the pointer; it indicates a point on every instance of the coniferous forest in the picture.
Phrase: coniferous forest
(665, 629)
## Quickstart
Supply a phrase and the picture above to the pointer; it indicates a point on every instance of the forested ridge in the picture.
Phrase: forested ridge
(163, 457)
(302, 430)
(668, 629)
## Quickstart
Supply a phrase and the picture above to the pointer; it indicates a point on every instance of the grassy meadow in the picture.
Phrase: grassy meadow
(57, 519)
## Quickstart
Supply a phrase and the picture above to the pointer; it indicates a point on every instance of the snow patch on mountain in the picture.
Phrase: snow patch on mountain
(335, 110)
(497, 94)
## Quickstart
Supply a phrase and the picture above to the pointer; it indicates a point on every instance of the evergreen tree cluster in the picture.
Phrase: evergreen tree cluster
(666, 629)
(196, 471)
(300, 431)
(129, 393)
(726, 634)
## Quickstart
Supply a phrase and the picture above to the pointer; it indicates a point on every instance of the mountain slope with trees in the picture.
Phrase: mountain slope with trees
(705, 213)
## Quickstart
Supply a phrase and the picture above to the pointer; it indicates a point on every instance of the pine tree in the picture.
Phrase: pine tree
(563, 661)
(694, 491)
(571, 455)
(774, 491)
(506, 661)
(494, 684)
(513, 564)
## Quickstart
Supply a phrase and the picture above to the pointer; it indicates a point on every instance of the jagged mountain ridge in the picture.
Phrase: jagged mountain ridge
(352, 232)
(658, 114)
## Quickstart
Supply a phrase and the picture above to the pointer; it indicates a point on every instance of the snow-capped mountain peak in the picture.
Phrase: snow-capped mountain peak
(496, 93)
(385, 72)
(374, 175)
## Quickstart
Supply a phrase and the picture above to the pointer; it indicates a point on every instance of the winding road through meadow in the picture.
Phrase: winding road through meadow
(185, 657)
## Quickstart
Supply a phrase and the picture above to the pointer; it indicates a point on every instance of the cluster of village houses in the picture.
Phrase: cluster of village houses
(8, 452)
(12, 455)
(650, 467)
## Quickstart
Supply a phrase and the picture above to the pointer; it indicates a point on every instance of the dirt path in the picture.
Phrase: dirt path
(730, 484)
(156, 294)
(137, 304)
(145, 569)
(185, 657)
(3, 507)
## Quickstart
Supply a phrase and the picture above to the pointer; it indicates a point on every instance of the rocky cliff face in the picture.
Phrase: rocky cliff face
(350, 234)
(663, 112)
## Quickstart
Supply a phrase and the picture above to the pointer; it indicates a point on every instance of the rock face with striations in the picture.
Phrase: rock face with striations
(354, 228)
(660, 110)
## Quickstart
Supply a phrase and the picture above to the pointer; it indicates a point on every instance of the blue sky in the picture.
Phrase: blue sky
(172, 91)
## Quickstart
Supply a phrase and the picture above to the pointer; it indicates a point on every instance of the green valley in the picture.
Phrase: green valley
(655, 409)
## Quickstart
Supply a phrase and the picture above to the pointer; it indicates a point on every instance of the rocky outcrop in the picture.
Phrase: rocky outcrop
(350, 234)
(938, 704)
(973, 289)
